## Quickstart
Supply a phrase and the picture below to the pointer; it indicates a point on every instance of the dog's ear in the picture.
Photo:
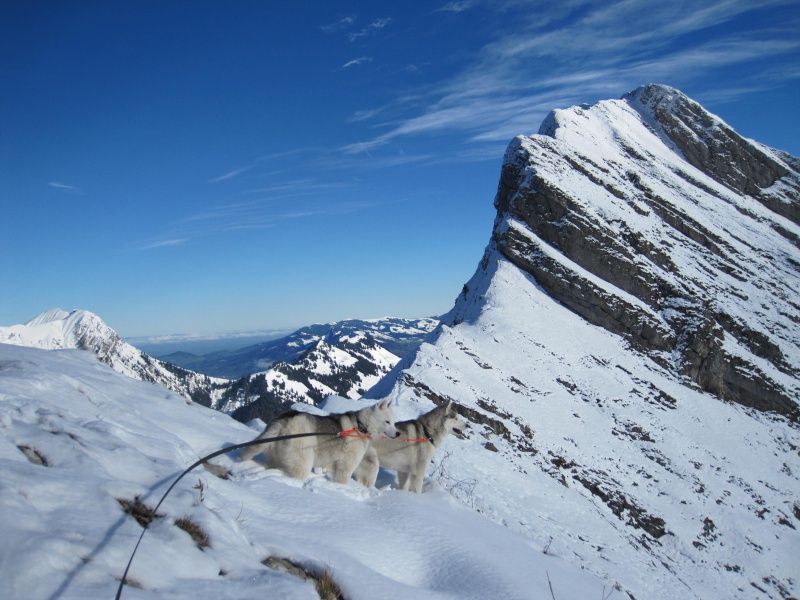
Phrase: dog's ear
(383, 404)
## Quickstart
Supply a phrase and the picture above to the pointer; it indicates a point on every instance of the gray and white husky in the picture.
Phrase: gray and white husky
(336, 453)
(410, 453)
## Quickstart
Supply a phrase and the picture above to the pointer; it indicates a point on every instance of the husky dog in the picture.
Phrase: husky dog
(410, 454)
(351, 434)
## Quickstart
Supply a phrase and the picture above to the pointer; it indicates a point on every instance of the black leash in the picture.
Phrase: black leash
(254, 442)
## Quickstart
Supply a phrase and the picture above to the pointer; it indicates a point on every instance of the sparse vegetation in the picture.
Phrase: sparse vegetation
(143, 514)
(326, 586)
(200, 487)
(463, 489)
(133, 583)
(33, 455)
(195, 531)
(324, 583)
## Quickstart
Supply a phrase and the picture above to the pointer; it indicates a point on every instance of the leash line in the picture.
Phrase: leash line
(254, 442)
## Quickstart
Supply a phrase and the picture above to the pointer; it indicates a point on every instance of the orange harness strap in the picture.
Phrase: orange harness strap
(353, 433)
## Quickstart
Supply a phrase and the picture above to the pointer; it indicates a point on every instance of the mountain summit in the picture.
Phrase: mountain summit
(653, 219)
(57, 329)
(628, 351)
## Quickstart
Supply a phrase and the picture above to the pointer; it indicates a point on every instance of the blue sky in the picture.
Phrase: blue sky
(208, 167)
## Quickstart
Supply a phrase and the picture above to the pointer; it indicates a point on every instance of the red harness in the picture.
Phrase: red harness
(353, 433)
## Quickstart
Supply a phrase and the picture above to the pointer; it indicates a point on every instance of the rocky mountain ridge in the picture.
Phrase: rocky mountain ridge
(696, 265)
(628, 351)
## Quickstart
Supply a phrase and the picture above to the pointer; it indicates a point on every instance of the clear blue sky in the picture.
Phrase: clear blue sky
(207, 167)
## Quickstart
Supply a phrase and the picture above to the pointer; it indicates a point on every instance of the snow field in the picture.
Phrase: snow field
(105, 437)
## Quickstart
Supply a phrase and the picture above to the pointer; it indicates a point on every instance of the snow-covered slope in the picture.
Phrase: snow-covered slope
(79, 441)
(83, 330)
(627, 353)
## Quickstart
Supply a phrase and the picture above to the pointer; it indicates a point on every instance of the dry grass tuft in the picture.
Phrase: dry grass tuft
(326, 586)
(143, 514)
(33, 455)
(193, 528)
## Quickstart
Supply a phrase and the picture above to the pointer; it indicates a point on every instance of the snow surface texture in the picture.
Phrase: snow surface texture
(610, 454)
(76, 438)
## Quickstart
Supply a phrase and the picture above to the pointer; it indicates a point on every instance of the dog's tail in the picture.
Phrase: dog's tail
(252, 451)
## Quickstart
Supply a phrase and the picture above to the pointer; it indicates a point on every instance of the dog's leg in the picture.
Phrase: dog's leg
(367, 471)
(402, 480)
(343, 471)
(300, 468)
(416, 482)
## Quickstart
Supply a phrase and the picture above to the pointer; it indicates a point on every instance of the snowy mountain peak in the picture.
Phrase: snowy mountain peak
(680, 236)
(54, 314)
(644, 266)
(56, 329)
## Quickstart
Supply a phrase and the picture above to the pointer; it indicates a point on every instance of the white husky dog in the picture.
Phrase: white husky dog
(349, 435)
(410, 453)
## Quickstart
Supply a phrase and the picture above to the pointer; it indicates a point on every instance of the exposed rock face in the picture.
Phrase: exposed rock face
(625, 290)
(653, 219)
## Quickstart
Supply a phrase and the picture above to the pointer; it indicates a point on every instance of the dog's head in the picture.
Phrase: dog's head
(453, 422)
(445, 419)
(379, 421)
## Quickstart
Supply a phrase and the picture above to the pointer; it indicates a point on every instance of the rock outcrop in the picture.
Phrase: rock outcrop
(652, 218)
(627, 353)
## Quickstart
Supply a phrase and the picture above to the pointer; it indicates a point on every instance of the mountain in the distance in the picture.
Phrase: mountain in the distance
(628, 352)
(343, 359)
(342, 363)
(396, 335)
(57, 329)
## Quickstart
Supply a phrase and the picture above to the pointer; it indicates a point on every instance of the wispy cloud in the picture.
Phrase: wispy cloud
(579, 51)
(458, 6)
(297, 187)
(65, 187)
(340, 25)
(264, 208)
(263, 215)
(371, 29)
(231, 174)
(163, 243)
(356, 62)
